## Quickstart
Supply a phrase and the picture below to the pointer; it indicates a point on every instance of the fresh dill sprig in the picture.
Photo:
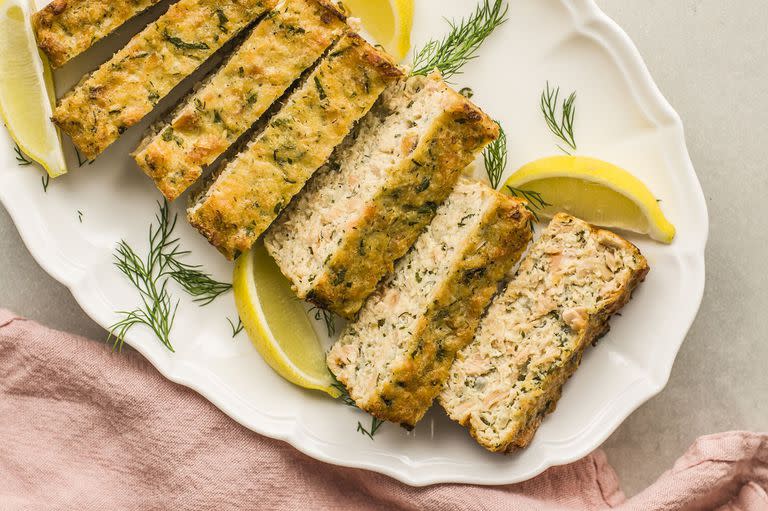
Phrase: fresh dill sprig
(534, 200)
(150, 277)
(495, 157)
(194, 281)
(157, 311)
(191, 278)
(21, 158)
(347, 400)
(561, 126)
(460, 46)
(375, 425)
(23, 161)
(80, 216)
(327, 317)
(344, 394)
(236, 329)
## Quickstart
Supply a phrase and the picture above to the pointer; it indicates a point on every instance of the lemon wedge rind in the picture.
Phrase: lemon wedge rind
(389, 22)
(283, 335)
(26, 89)
(548, 176)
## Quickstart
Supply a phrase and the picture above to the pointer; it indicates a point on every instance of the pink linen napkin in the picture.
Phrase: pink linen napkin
(87, 429)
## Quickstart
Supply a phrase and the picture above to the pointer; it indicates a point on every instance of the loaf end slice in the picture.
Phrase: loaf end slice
(531, 341)
(123, 90)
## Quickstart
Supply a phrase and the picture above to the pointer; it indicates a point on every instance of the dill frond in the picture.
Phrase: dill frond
(150, 276)
(157, 310)
(195, 281)
(191, 278)
(375, 425)
(495, 158)
(460, 46)
(236, 329)
(561, 126)
(534, 200)
(21, 158)
(81, 160)
(46, 179)
(327, 317)
(347, 400)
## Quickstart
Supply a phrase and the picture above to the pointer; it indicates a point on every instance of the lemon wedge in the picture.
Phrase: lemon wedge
(26, 89)
(595, 191)
(389, 22)
(277, 323)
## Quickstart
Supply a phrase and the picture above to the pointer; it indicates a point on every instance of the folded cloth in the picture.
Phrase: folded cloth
(84, 428)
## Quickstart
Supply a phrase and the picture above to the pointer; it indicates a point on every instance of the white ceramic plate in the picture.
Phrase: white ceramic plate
(622, 117)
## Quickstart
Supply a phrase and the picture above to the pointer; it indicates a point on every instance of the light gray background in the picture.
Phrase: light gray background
(710, 58)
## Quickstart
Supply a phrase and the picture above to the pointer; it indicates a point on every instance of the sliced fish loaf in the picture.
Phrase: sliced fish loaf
(127, 87)
(395, 357)
(252, 189)
(366, 208)
(531, 341)
(273, 56)
(66, 28)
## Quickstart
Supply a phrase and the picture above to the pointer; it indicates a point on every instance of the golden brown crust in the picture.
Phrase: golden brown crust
(262, 180)
(257, 74)
(379, 60)
(66, 28)
(396, 217)
(127, 87)
(453, 316)
(332, 11)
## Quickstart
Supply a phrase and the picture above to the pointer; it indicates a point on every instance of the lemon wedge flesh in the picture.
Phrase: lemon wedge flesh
(595, 191)
(277, 323)
(389, 22)
(26, 89)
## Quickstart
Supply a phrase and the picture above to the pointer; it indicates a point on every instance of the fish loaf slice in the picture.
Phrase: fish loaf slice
(395, 358)
(127, 87)
(249, 192)
(282, 46)
(534, 334)
(366, 208)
